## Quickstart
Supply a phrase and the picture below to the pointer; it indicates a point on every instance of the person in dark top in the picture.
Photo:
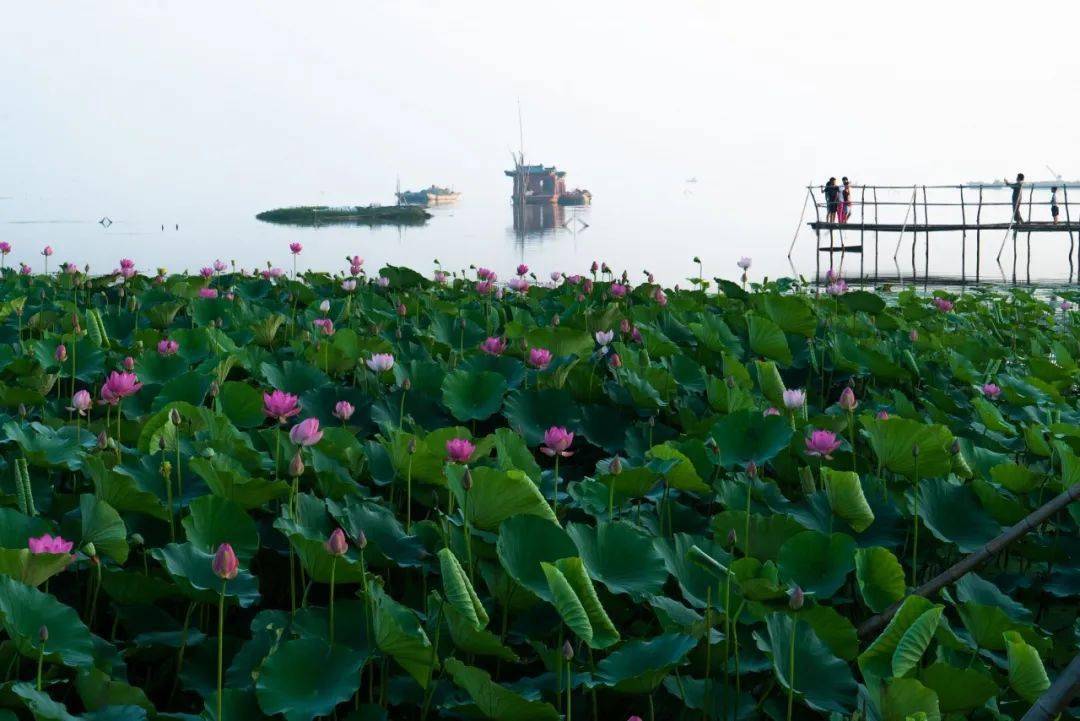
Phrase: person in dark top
(1054, 209)
(1017, 187)
(832, 199)
(845, 202)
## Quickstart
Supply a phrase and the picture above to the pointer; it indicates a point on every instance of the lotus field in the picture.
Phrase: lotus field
(253, 495)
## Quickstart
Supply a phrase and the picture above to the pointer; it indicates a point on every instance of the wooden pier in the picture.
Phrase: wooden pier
(984, 211)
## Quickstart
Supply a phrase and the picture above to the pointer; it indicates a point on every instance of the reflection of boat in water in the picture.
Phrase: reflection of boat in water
(538, 218)
(538, 184)
(433, 195)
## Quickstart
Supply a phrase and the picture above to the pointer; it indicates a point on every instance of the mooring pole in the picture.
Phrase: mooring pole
(963, 238)
(862, 233)
(914, 229)
(1031, 194)
(978, 235)
(817, 235)
(926, 223)
(903, 226)
(875, 234)
(1068, 224)
(799, 226)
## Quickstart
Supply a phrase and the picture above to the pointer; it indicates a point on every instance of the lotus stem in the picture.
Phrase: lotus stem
(408, 497)
(41, 660)
(555, 496)
(333, 578)
(791, 669)
(915, 529)
(220, 647)
(708, 653)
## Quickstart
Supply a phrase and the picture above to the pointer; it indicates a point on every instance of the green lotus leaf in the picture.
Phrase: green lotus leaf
(746, 436)
(242, 404)
(190, 387)
(466, 636)
(460, 593)
(915, 640)
(293, 377)
(770, 382)
(1027, 676)
(560, 340)
(767, 536)
(683, 475)
(123, 491)
(526, 542)
(846, 498)
(767, 339)
(640, 666)
(496, 702)
(49, 447)
(959, 690)
(306, 678)
(473, 395)
(877, 660)
(816, 562)
(16, 528)
(227, 479)
(953, 513)
(621, 557)
(531, 412)
(696, 583)
(388, 543)
(791, 313)
(905, 698)
(24, 610)
(192, 569)
(574, 597)
(823, 681)
(99, 692)
(30, 568)
(398, 634)
(894, 440)
(834, 630)
(496, 495)
(103, 527)
(45, 708)
(214, 520)
(880, 577)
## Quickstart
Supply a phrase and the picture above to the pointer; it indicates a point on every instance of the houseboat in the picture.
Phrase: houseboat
(433, 195)
(538, 184)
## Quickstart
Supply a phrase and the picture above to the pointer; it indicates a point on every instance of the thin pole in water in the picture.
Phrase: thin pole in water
(963, 238)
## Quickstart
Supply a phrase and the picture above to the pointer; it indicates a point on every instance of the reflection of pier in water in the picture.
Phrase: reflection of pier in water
(535, 220)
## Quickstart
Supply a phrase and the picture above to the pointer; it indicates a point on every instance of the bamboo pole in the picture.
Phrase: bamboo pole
(907, 212)
(974, 560)
(963, 238)
(926, 222)
(799, 226)
(1068, 224)
(876, 234)
(1058, 696)
(914, 230)
(978, 234)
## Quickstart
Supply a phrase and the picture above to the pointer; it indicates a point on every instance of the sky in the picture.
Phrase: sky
(189, 109)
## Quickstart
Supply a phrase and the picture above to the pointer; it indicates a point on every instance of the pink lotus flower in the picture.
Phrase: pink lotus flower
(485, 287)
(5, 247)
(348, 285)
(660, 297)
(522, 269)
(306, 432)
(991, 390)
(831, 276)
(295, 248)
(1065, 305)
(441, 276)
(624, 326)
(167, 347)
(325, 325)
(486, 274)
(594, 267)
(206, 271)
(61, 353)
(913, 335)
(119, 386)
(838, 288)
(744, 262)
(635, 335)
(220, 265)
(380, 362)
(344, 410)
(225, 564)
(847, 400)
(944, 305)
(794, 399)
(770, 411)
(555, 276)
(556, 442)
(822, 443)
(208, 293)
(355, 260)
(493, 346)
(618, 290)
(129, 363)
(47, 251)
(615, 360)
(882, 415)
(280, 405)
(539, 358)
(50, 544)
(459, 450)
(603, 337)
(383, 281)
(354, 270)
(518, 283)
(24, 269)
(81, 402)
(337, 545)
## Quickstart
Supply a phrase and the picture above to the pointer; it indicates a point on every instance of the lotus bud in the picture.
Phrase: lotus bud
(103, 440)
(732, 538)
(215, 388)
(361, 540)
(137, 540)
(847, 400)
(90, 550)
(226, 566)
(913, 335)
(466, 481)
(406, 384)
(129, 363)
(915, 450)
(615, 468)
(325, 306)
(208, 453)
(61, 353)
(22, 410)
(161, 443)
(955, 447)
(567, 651)
(402, 310)
(336, 545)
(751, 469)
(796, 598)
(43, 634)
(412, 446)
(174, 416)
(555, 320)
(296, 466)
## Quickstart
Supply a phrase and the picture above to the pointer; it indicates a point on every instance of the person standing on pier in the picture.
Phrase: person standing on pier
(1054, 210)
(845, 202)
(832, 199)
(1017, 188)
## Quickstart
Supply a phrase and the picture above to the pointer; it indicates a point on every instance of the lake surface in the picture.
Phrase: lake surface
(660, 229)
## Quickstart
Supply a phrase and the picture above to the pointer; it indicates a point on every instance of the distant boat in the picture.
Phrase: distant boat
(537, 184)
(433, 195)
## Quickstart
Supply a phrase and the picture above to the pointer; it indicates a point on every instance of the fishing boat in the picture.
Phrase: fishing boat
(433, 195)
(538, 184)
(577, 196)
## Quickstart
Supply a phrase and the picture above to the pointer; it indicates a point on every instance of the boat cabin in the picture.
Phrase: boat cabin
(537, 183)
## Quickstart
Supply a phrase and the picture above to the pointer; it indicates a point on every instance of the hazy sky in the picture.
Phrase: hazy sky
(211, 106)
